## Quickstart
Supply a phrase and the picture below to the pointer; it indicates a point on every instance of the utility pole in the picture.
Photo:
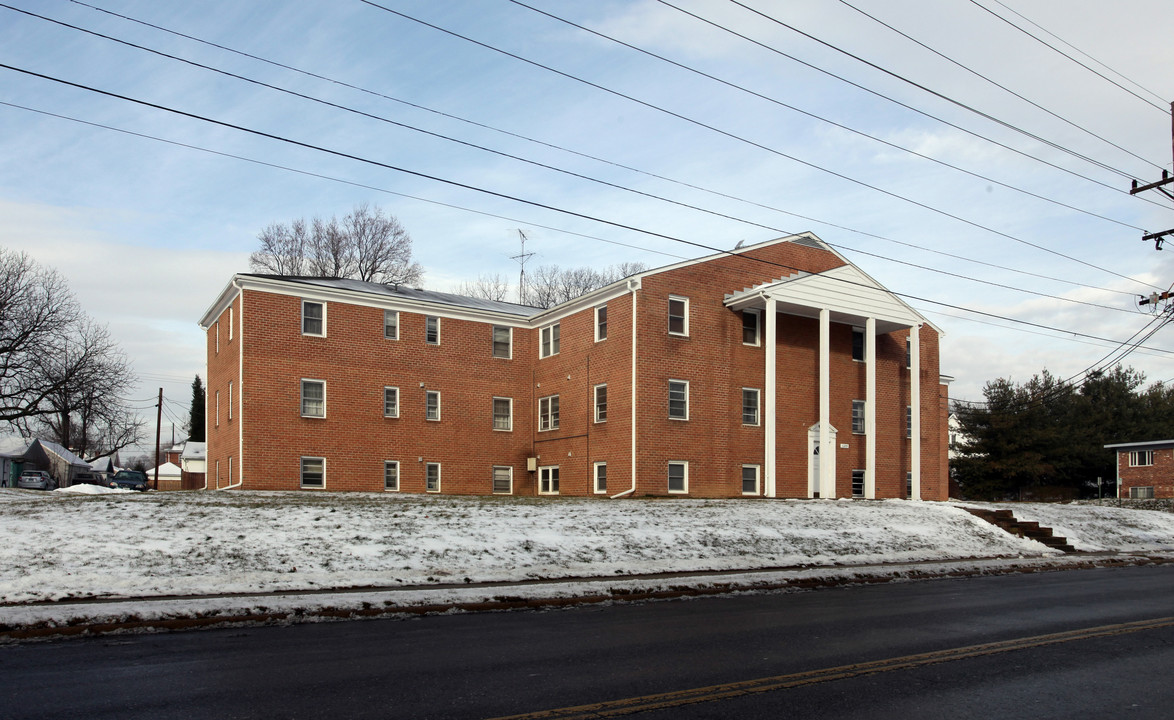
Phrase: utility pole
(1160, 186)
(158, 428)
(521, 258)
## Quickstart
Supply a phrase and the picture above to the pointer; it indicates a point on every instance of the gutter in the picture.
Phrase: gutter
(633, 286)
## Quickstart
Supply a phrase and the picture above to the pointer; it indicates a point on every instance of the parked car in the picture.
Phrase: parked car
(129, 480)
(36, 480)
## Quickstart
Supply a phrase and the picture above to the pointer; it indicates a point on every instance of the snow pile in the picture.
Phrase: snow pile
(85, 489)
(61, 545)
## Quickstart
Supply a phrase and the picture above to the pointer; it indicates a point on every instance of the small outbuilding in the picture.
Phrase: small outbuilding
(1145, 470)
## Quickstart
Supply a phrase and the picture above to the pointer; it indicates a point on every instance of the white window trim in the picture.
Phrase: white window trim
(686, 476)
(547, 468)
(542, 345)
(595, 402)
(217, 408)
(549, 415)
(510, 343)
(217, 333)
(595, 477)
(396, 413)
(398, 483)
(426, 319)
(757, 328)
(301, 472)
(757, 407)
(230, 400)
(312, 302)
(438, 475)
(1135, 455)
(493, 479)
(863, 482)
(686, 311)
(230, 323)
(428, 394)
(757, 479)
(670, 395)
(394, 313)
(302, 398)
(863, 417)
(510, 417)
(597, 309)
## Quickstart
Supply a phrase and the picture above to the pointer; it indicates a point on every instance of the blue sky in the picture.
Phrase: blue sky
(148, 233)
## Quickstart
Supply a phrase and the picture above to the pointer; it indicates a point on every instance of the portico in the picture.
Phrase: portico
(844, 295)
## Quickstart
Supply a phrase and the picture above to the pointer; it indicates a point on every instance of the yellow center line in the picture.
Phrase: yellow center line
(724, 691)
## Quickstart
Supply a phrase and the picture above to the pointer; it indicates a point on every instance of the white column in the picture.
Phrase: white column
(770, 402)
(915, 404)
(827, 464)
(870, 408)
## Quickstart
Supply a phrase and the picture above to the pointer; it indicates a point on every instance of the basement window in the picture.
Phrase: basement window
(1141, 493)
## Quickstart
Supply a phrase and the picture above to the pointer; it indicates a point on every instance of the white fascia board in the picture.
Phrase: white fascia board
(583, 302)
(223, 300)
(1151, 445)
(354, 297)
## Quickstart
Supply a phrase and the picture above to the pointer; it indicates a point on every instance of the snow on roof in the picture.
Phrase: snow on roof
(62, 453)
(194, 451)
(166, 469)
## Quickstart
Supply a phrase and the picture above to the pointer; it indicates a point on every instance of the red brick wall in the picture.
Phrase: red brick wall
(357, 362)
(1159, 476)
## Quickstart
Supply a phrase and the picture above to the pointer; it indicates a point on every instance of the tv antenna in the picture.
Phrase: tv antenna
(521, 259)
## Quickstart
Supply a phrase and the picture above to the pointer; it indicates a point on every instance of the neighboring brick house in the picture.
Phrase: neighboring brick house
(1145, 469)
(742, 366)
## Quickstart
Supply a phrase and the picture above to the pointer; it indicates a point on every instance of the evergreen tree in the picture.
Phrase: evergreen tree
(199, 403)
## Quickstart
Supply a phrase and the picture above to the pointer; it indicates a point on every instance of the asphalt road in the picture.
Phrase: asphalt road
(1035, 646)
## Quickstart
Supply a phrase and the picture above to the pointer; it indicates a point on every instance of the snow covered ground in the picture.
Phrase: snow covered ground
(93, 544)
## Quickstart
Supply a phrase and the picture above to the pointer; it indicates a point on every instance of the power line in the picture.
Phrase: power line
(751, 142)
(591, 157)
(992, 82)
(521, 200)
(1061, 52)
(935, 93)
(780, 103)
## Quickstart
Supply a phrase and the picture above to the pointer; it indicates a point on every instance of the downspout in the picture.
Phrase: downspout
(633, 286)
(240, 397)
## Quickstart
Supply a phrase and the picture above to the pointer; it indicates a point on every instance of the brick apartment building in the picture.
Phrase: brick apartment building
(777, 370)
(1145, 470)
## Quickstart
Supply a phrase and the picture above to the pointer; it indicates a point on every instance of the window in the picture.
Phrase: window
(548, 480)
(909, 484)
(231, 312)
(217, 337)
(908, 353)
(391, 324)
(858, 417)
(749, 406)
(229, 399)
(678, 399)
(390, 402)
(390, 475)
(432, 405)
(313, 398)
(548, 413)
(858, 344)
(313, 472)
(857, 483)
(1141, 493)
(432, 330)
(750, 479)
(230, 469)
(678, 315)
(908, 421)
(503, 480)
(601, 323)
(217, 408)
(749, 327)
(313, 318)
(501, 342)
(549, 341)
(600, 403)
(1141, 458)
(600, 472)
(678, 477)
(432, 477)
(503, 413)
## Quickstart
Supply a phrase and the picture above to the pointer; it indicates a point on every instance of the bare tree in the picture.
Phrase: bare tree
(366, 244)
(550, 285)
(487, 287)
(283, 249)
(383, 248)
